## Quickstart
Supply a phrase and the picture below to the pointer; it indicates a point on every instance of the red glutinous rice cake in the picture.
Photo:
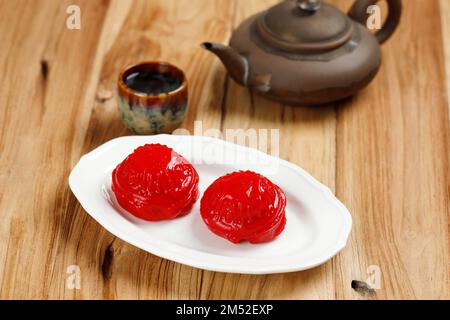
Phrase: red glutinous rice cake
(155, 183)
(244, 206)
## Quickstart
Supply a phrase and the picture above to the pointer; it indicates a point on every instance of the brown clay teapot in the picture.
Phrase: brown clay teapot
(306, 51)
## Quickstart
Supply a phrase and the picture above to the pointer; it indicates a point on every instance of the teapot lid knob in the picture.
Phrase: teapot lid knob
(308, 5)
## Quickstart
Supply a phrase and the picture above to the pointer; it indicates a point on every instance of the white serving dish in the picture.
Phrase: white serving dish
(317, 228)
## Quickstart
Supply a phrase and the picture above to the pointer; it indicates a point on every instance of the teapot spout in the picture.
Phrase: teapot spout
(236, 65)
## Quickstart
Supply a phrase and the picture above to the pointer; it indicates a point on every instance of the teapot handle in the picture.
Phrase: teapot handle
(359, 13)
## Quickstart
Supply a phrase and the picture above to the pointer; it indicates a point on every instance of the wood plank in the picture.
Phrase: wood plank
(393, 166)
(151, 31)
(307, 138)
(445, 24)
(44, 80)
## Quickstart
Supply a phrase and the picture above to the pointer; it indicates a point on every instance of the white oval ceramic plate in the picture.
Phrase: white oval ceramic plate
(317, 227)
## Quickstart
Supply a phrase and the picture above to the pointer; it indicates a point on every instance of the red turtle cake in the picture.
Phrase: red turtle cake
(155, 183)
(244, 206)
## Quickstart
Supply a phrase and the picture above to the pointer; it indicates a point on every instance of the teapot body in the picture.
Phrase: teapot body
(307, 51)
(308, 78)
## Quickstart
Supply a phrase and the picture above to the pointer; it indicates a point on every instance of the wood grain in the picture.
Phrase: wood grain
(385, 152)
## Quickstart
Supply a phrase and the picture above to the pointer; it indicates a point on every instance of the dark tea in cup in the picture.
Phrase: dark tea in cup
(152, 82)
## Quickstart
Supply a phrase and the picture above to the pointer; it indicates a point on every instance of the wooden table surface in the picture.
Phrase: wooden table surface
(385, 153)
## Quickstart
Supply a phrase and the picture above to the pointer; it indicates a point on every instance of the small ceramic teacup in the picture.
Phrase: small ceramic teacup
(152, 97)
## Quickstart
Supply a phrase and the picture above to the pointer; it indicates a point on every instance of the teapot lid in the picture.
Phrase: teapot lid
(304, 26)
